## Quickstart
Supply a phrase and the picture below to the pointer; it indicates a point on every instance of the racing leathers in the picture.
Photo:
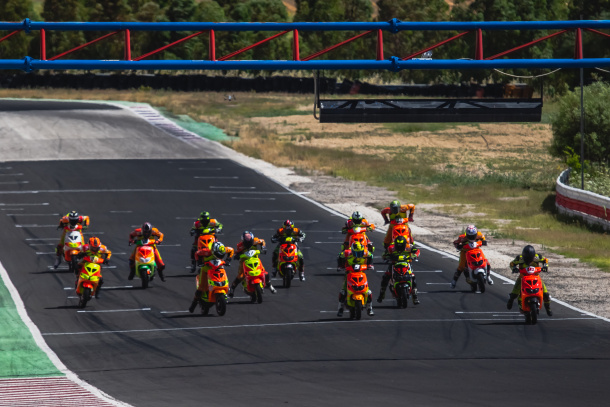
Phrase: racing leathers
(348, 230)
(389, 215)
(241, 248)
(200, 227)
(461, 244)
(280, 235)
(69, 224)
(136, 235)
(396, 256)
(347, 258)
(519, 263)
(202, 257)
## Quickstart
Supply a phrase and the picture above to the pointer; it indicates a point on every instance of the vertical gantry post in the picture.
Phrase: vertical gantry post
(43, 45)
(295, 46)
(379, 45)
(478, 52)
(212, 46)
(578, 54)
(127, 45)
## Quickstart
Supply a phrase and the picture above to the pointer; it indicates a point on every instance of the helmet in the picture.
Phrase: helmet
(247, 238)
(528, 254)
(147, 229)
(219, 249)
(400, 243)
(288, 224)
(356, 218)
(204, 218)
(73, 218)
(395, 207)
(357, 249)
(94, 244)
(471, 232)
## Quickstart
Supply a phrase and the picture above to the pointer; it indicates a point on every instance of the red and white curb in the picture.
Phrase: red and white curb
(47, 391)
(68, 390)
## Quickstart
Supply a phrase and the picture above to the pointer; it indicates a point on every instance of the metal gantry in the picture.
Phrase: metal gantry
(378, 60)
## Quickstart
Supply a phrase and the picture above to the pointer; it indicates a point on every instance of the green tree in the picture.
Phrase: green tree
(62, 10)
(146, 41)
(210, 11)
(17, 45)
(566, 123)
(105, 11)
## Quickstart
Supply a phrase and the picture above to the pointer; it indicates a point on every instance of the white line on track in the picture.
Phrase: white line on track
(185, 217)
(24, 204)
(211, 177)
(39, 253)
(32, 214)
(437, 284)
(14, 182)
(42, 244)
(487, 312)
(34, 225)
(290, 324)
(221, 187)
(66, 267)
(270, 211)
(297, 221)
(341, 242)
(13, 174)
(258, 199)
(6, 168)
(427, 271)
(41, 238)
(11, 209)
(174, 312)
(117, 310)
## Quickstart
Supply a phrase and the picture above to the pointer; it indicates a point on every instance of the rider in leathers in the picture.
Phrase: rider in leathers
(392, 212)
(203, 222)
(203, 256)
(288, 230)
(356, 220)
(94, 252)
(401, 250)
(357, 254)
(145, 232)
(249, 241)
(472, 234)
(529, 257)
(72, 221)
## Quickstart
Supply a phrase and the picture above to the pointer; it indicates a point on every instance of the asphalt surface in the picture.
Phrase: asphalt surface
(143, 347)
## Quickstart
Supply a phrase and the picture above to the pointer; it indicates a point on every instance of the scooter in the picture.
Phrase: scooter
(358, 234)
(254, 273)
(218, 288)
(288, 258)
(477, 266)
(358, 294)
(146, 266)
(531, 297)
(73, 245)
(401, 282)
(88, 280)
(205, 240)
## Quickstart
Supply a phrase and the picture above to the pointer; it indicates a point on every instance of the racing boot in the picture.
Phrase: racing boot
(57, 262)
(489, 280)
(415, 299)
(381, 297)
(302, 275)
(369, 309)
(511, 299)
(132, 270)
(453, 283)
(193, 266)
(272, 288)
(99, 288)
(340, 310)
(547, 304)
(160, 271)
(233, 285)
(195, 301)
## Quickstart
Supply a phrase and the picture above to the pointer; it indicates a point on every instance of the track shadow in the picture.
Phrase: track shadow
(64, 307)
(52, 272)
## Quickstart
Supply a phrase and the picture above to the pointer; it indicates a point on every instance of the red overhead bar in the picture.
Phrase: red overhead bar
(478, 52)
(43, 45)
(249, 47)
(296, 55)
(84, 45)
(578, 45)
(324, 51)
(212, 46)
(379, 45)
(127, 45)
(526, 45)
(436, 45)
(169, 45)
(588, 29)
(6, 37)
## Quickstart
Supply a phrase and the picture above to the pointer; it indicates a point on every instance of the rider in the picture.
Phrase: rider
(72, 221)
(357, 254)
(400, 251)
(529, 257)
(203, 222)
(248, 242)
(356, 220)
(94, 252)
(288, 230)
(145, 232)
(203, 256)
(396, 210)
(472, 234)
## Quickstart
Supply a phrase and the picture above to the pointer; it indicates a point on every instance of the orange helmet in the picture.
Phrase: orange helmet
(94, 244)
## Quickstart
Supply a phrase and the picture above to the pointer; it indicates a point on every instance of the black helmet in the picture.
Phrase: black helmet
(73, 218)
(395, 207)
(247, 238)
(400, 244)
(147, 229)
(288, 224)
(528, 254)
(204, 218)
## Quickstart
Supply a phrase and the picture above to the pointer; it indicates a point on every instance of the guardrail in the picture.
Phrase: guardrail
(593, 208)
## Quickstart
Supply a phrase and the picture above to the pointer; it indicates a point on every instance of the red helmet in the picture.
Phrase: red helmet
(94, 244)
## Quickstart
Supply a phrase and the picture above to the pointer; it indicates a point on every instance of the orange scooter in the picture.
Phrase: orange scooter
(531, 297)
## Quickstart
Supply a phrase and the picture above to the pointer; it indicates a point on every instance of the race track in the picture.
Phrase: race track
(142, 346)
